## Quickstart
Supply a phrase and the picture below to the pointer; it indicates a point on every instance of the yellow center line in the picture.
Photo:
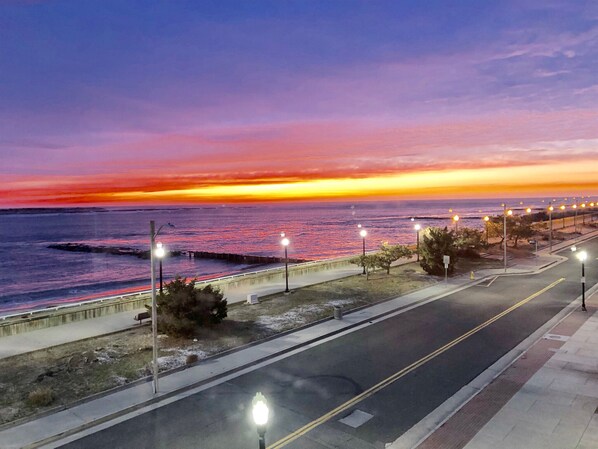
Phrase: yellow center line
(396, 376)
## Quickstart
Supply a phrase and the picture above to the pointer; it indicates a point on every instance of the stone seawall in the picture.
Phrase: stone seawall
(56, 316)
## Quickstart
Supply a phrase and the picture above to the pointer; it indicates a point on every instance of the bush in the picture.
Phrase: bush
(41, 397)
(437, 243)
(183, 308)
(391, 253)
(468, 242)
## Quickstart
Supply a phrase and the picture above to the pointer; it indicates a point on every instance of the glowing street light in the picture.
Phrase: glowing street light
(506, 213)
(285, 243)
(363, 233)
(153, 235)
(582, 256)
(417, 227)
(260, 414)
(583, 216)
(528, 210)
(563, 209)
(550, 209)
(486, 220)
(456, 220)
(160, 253)
(575, 218)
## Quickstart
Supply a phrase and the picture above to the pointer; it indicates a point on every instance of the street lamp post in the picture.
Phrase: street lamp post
(486, 220)
(363, 233)
(563, 209)
(456, 220)
(285, 243)
(160, 252)
(575, 219)
(582, 256)
(260, 414)
(417, 227)
(505, 214)
(153, 235)
(550, 209)
(583, 216)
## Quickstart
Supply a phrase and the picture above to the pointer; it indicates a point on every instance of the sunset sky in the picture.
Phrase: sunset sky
(158, 102)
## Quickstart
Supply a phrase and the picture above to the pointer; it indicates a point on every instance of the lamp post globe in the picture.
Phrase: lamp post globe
(153, 247)
(417, 227)
(160, 252)
(582, 256)
(260, 413)
(363, 234)
(550, 209)
(285, 243)
(506, 213)
(456, 220)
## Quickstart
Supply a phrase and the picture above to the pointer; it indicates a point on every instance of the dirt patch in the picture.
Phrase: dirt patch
(76, 370)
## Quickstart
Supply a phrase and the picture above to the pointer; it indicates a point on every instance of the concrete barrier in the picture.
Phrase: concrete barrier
(41, 319)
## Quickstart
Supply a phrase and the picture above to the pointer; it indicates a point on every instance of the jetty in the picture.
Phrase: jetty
(145, 254)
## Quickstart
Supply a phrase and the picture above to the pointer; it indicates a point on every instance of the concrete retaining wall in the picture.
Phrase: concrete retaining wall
(30, 321)
(40, 319)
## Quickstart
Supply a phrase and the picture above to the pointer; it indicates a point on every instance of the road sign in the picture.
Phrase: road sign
(447, 261)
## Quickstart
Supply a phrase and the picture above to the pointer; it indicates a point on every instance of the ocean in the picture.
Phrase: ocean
(33, 275)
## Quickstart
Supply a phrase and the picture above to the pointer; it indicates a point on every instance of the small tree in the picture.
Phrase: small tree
(369, 261)
(495, 228)
(469, 241)
(390, 253)
(519, 228)
(436, 243)
(183, 307)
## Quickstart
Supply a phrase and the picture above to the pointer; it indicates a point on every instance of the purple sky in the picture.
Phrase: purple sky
(124, 101)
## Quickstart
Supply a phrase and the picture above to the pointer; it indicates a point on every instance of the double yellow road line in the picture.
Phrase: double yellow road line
(396, 376)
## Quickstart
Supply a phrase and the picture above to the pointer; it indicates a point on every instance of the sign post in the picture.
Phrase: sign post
(447, 261)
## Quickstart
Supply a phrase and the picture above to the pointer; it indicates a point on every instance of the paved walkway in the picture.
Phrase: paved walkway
(56, 429)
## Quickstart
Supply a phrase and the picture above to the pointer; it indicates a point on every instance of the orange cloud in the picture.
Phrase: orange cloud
(555, 152)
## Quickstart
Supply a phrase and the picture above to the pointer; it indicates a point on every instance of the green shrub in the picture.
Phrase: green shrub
(437, 243)
(183, 308)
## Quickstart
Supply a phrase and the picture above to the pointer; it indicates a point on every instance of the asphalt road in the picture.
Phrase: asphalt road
(398, 370)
